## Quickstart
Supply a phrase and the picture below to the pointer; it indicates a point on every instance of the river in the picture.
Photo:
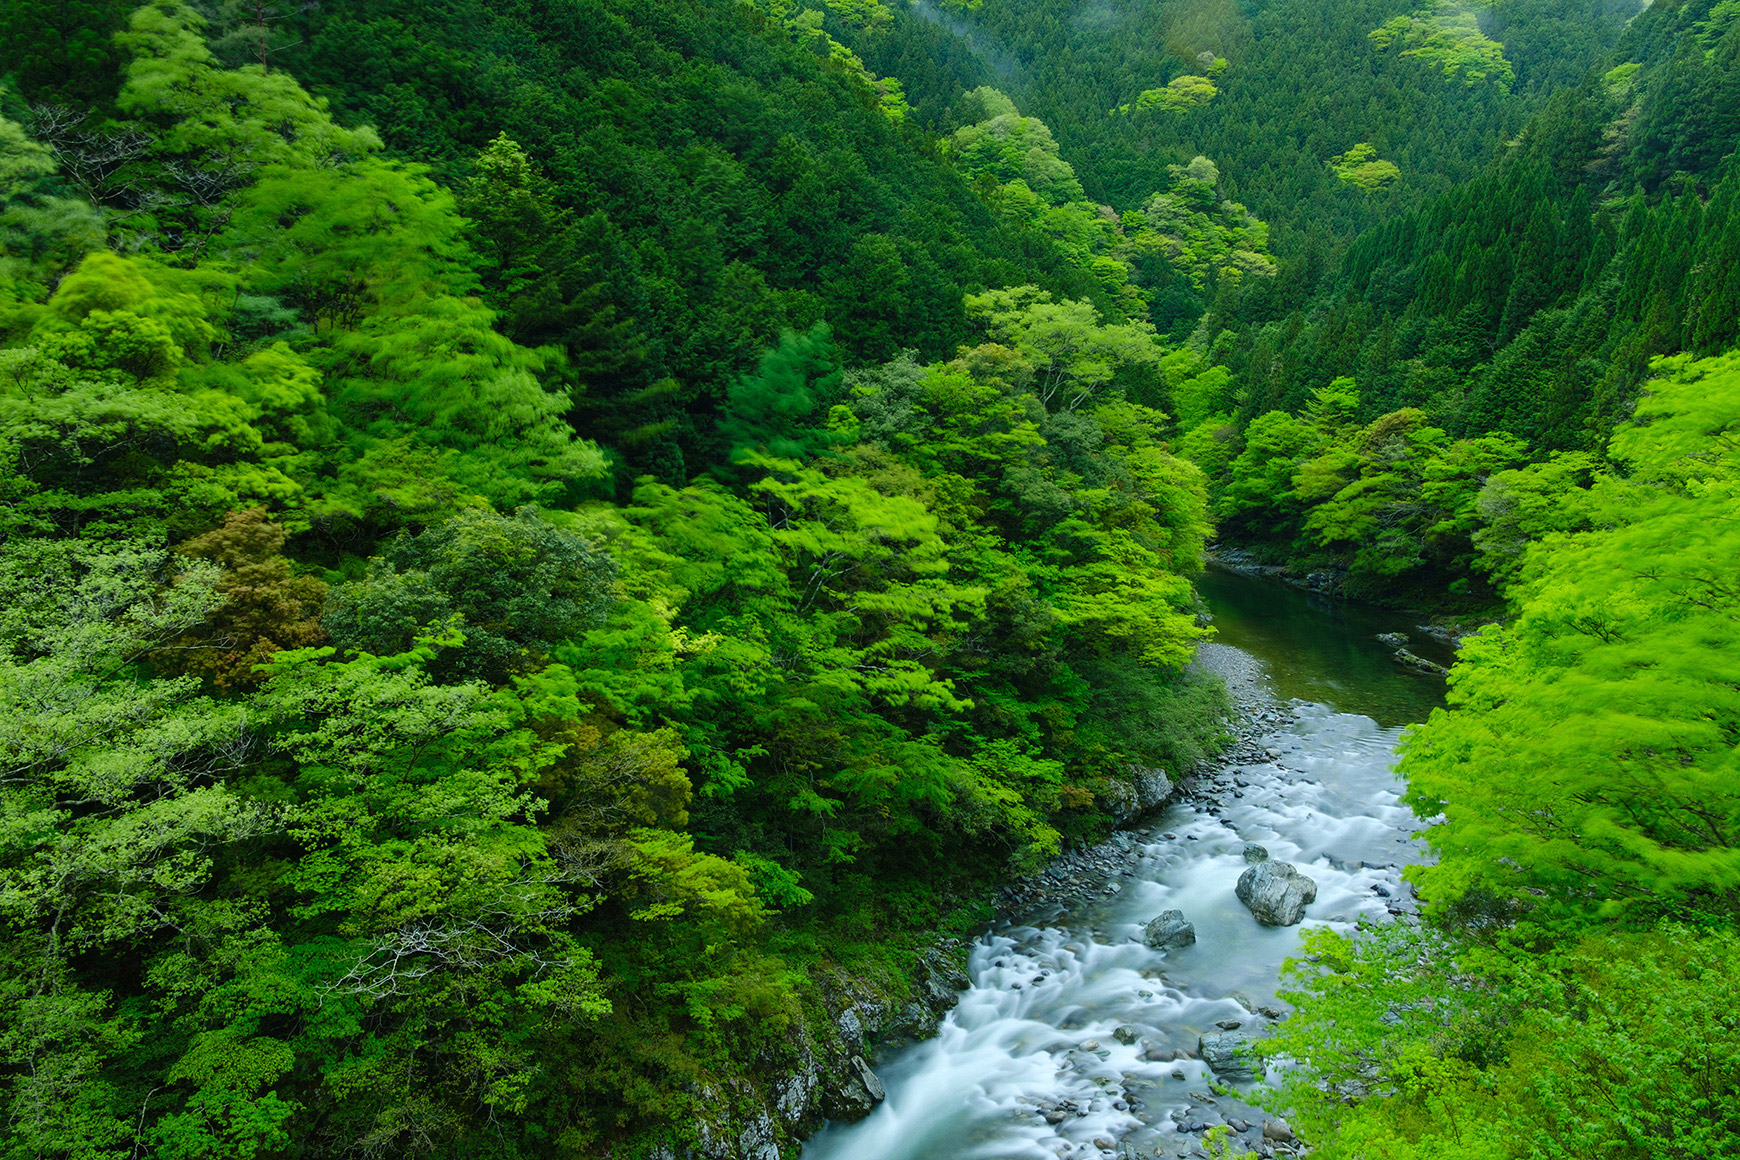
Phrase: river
(1066, 1042)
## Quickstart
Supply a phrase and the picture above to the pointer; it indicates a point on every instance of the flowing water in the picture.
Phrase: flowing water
(1033, 1062)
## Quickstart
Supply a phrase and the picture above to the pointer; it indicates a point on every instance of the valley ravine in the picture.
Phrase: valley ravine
(1076, 1039)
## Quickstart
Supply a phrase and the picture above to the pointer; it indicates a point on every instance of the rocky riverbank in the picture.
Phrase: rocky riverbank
(824, 1069)
(1098, 870)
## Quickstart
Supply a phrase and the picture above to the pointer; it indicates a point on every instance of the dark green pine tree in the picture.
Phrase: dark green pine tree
(780, 407)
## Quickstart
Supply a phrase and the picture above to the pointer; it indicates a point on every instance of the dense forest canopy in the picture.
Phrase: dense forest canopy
(535, 538)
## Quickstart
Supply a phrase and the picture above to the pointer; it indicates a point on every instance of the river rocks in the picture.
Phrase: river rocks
(1125, 1034)
(1228, 1054)
(1169, 930)
(872, 1085)
(751, 1135)
(1419, 663)
(850, 1028)
(1276, 893)
(1142, 790)
(793, 1095)
(1450, 636)
(913, 1021)
(1278, 1132)
(1153, 788)
(1255, 854)
(940, 982)
(1393, 639)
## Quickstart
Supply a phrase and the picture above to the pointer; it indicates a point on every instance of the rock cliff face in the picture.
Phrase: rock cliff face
(823, 1070)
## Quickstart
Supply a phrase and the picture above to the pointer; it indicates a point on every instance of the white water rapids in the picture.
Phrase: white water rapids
(1030, 1064)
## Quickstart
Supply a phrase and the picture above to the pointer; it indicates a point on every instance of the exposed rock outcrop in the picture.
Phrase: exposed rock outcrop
(822, 1071)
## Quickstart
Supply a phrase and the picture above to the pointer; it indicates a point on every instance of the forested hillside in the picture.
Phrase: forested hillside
(1524, 306)
(390, 766)
(541, 543)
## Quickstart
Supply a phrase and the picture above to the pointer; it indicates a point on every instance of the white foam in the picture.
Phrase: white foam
(1330, 804)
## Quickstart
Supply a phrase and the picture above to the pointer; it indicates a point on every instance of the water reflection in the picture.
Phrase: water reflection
(1323, 650)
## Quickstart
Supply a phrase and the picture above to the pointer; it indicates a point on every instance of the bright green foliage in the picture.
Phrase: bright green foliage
(728, 176)
(1181, 94)
(1395, 498)
(1072, 354)
(1200, 234)
(42, 233)
(1617, 1045)
(416, 887)
(1586, 767)
(1275, 446)
(377, 264)
(551, 844)
(1188, 230)
(1447, 37)
(1362, 167)
(1530, 299)
(490, 819)
(111, 457)
(82, 731)
(1518, 507)
(1010, 147)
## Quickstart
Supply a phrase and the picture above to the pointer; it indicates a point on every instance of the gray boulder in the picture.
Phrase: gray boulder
(872, 1084)
(1276, 893)
(1228, 1054)
(1153, 787)
(1169, 930)
(940, 982)
(1394, 639)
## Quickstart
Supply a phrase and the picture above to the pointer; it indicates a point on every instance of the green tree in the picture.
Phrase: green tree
(1607, 697)
(766, 412)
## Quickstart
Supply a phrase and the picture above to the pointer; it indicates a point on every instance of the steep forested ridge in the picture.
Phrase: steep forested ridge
(539, 542)
(1525, 305)
(390, 767)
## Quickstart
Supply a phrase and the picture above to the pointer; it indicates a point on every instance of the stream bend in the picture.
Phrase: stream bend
(1066, 1042)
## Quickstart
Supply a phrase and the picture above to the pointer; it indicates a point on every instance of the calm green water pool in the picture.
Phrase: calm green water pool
(1318, 649)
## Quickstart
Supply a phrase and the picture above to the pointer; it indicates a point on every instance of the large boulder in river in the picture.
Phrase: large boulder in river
(1170, 930)
(1276, 893)
(1228, 1055)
